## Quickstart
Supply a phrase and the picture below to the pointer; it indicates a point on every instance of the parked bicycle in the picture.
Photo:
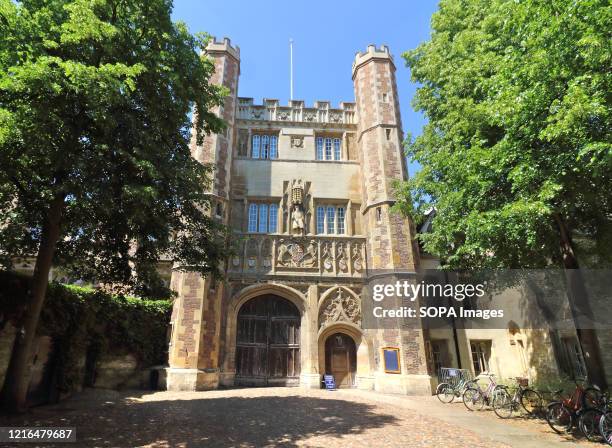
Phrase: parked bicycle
(456, 381)
(475, 398)
(589, 419)
(564, 414)
(605, 427)
(505, 405)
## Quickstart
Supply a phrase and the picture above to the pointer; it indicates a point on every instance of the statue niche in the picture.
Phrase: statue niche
(296, 202)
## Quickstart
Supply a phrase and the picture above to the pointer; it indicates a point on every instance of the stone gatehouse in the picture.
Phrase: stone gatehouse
(307, 190)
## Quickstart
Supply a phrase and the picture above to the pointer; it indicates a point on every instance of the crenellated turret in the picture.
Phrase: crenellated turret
(390, 236)
(382, 160)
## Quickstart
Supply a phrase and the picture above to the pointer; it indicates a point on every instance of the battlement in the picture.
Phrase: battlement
(321, 112)
(224, 46)
(371, 53)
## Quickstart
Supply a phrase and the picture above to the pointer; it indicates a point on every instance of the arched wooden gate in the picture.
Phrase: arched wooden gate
(268, 342)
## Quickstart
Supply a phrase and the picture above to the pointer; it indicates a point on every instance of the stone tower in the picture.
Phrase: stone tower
(196, 316)
(390, 236)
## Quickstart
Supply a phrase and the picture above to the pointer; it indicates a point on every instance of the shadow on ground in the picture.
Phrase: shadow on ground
(123, 420)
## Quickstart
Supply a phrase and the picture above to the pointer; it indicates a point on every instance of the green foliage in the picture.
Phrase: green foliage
(517, 95)
(95, 104)
(79, 319)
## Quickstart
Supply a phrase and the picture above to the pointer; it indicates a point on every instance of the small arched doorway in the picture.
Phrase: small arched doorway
(341, 359)
(268, 342)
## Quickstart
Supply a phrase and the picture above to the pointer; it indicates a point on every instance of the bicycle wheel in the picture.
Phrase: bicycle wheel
(591, 398)
(531, 401)
(605, 427)
(589, 424)
(559, 417)
(473, 399)
(445, 392)
(503, 404)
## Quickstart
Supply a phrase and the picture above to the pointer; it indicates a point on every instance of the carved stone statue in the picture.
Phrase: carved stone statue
(283, 253)
(297, 219)
(310, 257)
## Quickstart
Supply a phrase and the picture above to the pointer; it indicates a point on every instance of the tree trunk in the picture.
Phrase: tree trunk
(17, 376)
(581, 308)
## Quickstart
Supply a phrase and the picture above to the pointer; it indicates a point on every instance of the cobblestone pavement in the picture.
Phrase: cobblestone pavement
(262, 417)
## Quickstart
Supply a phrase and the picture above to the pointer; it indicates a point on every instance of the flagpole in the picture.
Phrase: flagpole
(291, 69)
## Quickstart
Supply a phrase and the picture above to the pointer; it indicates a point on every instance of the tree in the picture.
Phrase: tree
(95, 165)
(517, 155)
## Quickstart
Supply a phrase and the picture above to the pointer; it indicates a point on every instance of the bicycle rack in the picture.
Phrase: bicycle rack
(454, 376)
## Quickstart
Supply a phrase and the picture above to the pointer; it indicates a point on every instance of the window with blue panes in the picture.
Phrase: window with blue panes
(328, 148)
(252, 218)
(331, 220)
(263, 217)
(319, 148)
(340, 217)
(264, 146)
(255, 147)
(273, 147)
(273, 221)
(336, 149)
(320, 219)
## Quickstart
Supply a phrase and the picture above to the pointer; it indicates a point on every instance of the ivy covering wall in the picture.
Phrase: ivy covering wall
(86, 323)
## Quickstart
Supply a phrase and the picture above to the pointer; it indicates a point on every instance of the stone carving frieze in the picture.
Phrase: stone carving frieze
(297, 253)
(297, 141)
(325, 255)
(340, 306)
(357, 257)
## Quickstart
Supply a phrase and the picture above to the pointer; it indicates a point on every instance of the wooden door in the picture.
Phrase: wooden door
(268, 342)
(340, 359)
(340, 367)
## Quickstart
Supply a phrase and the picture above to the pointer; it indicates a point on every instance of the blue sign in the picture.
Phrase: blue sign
(391, 358)
(330, 382)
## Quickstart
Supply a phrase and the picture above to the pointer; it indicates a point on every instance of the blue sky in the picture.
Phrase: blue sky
(326, 36)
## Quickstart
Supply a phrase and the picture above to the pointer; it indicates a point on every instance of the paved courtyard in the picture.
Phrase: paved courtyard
(288, 417)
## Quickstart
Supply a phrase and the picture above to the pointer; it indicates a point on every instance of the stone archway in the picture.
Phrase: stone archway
(295, 298)
(341, 359)
(363, 377)
(268, 342)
